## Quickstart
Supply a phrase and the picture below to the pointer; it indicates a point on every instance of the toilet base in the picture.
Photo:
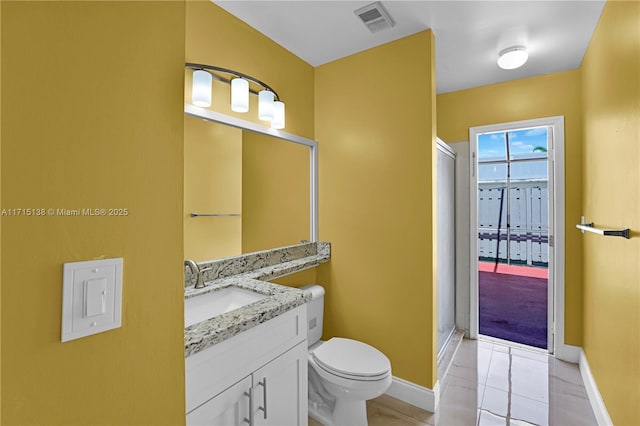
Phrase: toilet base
(345, 413)
(321, 416)
(332, 411)
(350, 413)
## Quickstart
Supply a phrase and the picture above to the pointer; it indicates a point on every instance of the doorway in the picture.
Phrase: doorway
(514, 211)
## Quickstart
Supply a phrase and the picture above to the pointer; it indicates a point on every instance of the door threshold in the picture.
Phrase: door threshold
(495, 340)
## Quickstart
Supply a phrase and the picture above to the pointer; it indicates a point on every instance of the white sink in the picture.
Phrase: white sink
(200, 308)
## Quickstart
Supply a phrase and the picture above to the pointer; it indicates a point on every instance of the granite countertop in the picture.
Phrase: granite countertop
(251, 272)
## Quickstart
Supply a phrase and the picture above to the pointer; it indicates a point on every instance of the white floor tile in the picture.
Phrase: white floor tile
(533, 412)
(491, 384)
(530, 378)
(490, 419)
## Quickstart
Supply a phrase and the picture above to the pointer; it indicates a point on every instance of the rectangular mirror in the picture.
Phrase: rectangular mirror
(252, 188)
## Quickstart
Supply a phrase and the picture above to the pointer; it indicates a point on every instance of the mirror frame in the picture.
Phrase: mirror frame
(216, 117)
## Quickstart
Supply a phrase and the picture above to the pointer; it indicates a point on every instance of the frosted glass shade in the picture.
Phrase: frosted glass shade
(512, 58)
(239, 95)
(201, 88)
(278, 115)
(265, 105)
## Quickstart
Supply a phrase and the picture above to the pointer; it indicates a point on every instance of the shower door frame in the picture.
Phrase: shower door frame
(555, 312)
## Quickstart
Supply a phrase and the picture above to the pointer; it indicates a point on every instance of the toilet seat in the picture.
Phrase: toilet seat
(352, 360)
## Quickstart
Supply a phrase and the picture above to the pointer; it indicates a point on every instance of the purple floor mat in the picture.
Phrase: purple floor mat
(513, 308)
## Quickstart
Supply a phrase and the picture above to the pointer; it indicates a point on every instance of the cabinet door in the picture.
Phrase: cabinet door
(280, 390)
(229, 408)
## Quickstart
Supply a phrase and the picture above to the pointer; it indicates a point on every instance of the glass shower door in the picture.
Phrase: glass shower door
(446, 244)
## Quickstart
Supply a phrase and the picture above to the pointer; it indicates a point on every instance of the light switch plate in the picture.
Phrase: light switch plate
(95, 297)
(91, 297)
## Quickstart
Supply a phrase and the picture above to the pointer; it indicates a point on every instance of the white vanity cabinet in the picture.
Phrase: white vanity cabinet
(231, 407)
(258, 377)
(278, 394)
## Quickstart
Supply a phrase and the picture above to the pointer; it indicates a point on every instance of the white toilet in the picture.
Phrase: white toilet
(343, 373)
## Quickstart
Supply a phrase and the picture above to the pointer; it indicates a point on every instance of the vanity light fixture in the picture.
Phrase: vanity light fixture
(270, 106)
(201, 90)
(512, 57)
(278, 115)
(265, 105)
(239, 95)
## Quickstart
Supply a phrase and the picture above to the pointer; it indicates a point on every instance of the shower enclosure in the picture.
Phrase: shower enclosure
(446, 262)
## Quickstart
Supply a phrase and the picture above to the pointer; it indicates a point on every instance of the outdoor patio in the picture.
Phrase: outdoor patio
(513, 303)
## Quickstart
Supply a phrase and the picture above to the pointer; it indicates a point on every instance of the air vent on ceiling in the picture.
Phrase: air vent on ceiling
(375, 17)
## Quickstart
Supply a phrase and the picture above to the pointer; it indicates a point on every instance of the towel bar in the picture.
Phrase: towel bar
(589, 227)
(214, 214)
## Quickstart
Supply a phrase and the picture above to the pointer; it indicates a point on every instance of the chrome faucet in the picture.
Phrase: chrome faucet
(195, 269)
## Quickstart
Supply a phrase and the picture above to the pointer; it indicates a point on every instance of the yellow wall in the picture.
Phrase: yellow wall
(92, 118)
(212, 184)
(275, 193)
(376, 153)
(611, 123)
(529, 98)
(217, 38)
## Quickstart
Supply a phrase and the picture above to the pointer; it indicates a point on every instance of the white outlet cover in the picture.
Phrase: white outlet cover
(91, 297)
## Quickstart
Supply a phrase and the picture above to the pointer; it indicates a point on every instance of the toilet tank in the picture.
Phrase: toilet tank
(315, 312)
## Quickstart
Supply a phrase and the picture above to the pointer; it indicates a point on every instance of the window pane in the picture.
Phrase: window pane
(528, 171)
(492, 207)
(492, 172)
(528, 143)
(489, 247)
(492, 147)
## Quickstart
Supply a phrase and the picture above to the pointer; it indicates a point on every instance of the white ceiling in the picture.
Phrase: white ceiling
(469, 34)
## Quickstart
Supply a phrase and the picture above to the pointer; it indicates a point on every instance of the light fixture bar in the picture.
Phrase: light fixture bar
(228, 82)
(227, 71)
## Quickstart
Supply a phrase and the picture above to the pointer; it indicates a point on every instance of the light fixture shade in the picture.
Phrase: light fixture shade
(201, 88)
(239, 95)
(278, 115)
(265, 105)
(512, 57)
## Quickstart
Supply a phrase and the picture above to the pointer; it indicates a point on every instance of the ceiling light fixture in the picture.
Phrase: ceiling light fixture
(270, 106)
(512, 57)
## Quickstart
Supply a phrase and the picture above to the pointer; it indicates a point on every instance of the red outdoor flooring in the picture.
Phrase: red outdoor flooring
(513, 303)
(523, 271)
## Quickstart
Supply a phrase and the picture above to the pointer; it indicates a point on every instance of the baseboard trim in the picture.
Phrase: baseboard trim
(599, 409)
(413, 394)
(568, 353)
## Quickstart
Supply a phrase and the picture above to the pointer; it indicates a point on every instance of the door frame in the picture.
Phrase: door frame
(555, 150)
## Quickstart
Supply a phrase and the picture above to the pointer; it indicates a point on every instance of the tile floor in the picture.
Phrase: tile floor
(493, 384)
